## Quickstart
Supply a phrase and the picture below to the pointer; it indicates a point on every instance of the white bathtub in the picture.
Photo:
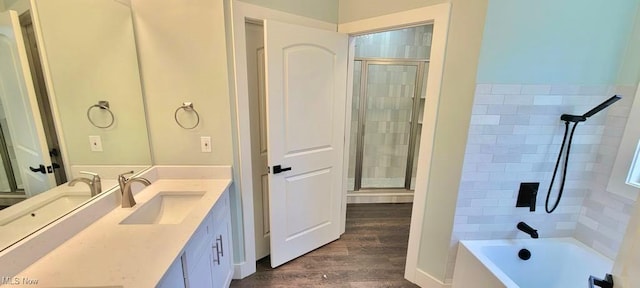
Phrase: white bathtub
(554, 263)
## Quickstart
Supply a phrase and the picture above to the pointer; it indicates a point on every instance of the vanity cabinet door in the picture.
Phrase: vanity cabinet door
(199, 274)
(174, 278)
(221, 247)
(222, 256)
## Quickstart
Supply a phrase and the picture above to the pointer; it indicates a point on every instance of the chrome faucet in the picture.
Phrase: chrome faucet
(95, 185)
(125, 188)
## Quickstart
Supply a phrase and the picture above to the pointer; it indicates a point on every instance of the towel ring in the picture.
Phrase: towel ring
(103, 105)
(187, 106)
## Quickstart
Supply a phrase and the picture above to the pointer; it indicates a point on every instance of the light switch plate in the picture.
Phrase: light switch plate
(96, 143)
(205, 144)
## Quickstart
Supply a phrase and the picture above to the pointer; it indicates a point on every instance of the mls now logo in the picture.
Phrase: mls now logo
(9, 280)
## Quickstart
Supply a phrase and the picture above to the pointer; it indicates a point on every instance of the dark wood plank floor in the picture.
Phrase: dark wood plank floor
(370, 254)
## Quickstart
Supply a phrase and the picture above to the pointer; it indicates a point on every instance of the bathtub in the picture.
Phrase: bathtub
(554, 263)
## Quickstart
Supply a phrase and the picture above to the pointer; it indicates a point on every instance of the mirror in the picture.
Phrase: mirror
(85, 111)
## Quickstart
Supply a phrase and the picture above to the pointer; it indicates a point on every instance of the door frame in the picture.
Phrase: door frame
(436, 14)
(241, 13)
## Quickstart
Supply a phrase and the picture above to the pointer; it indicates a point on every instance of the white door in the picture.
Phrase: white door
(306, 90)
(20, 107)
(258, 125)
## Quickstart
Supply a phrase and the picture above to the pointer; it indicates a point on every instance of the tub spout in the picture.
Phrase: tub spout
(524, 227)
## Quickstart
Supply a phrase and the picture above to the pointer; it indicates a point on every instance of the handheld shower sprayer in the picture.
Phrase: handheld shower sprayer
(600, 107)
(575, 119)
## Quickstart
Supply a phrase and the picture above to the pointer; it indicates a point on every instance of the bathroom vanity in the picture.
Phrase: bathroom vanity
(177, 235)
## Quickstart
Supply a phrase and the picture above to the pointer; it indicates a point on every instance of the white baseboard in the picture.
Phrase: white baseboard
(384, 196)
(424, 280)
(244, 269)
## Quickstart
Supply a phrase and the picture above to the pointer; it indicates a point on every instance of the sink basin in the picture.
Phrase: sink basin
(41, 213)
(167, 207)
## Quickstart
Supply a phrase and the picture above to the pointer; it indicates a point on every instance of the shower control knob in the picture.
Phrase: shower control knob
(279, 169)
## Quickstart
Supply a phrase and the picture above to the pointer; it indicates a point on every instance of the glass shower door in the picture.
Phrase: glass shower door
(388, 109)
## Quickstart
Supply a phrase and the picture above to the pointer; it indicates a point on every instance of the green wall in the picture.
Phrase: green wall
(555, 42)
(324, 10)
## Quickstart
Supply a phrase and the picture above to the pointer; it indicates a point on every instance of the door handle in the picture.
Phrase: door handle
(53, 166)
(279, 169)
(40, 169)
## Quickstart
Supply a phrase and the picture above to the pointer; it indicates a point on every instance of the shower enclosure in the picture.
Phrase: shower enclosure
(388, 104)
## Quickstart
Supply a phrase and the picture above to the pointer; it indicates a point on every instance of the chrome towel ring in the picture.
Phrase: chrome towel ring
(103, 105)
(188, 107)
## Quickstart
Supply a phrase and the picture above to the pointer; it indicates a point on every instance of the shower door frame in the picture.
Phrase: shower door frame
(362, 115)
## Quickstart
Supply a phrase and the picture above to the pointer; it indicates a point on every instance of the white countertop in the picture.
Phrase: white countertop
(109, 254)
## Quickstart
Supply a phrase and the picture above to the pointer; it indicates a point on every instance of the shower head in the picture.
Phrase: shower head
(578, 118)
(602, 105)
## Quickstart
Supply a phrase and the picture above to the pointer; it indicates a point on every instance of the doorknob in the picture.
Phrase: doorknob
(40, 169)
(278, 169)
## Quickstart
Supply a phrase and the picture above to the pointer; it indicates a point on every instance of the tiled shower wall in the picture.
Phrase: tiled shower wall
(604, 216)
(514, 136)
(414, 42)
(387, 130)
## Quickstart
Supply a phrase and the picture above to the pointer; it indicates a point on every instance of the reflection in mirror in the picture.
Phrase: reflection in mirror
(59, 60)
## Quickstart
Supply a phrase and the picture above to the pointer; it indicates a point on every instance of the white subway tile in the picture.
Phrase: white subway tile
(484, 202)
(479, 109)
(482, 139)
(467, 228)
(565, 89)
(593, 90)
(506, 202)
(506, 89)
(491, 167)
(539, 139)
(475, 176)
(547, 100)
(485, 119)
(488, 99)
(586, 221)
(545, 120)
(478, 158)
(508, 158)
(566, 225)
(519, 167)
(469, 211)
(520, 119)
(497, 129)
(534, 129)
(502, 109)
(518, 99)
(511, 139)
(535, 89)
(501, 194)
(483, 89)
(460, 219)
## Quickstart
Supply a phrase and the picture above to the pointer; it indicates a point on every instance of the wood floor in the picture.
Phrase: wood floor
(370, 254)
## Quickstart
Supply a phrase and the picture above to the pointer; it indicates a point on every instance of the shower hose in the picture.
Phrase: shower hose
(564, 170)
